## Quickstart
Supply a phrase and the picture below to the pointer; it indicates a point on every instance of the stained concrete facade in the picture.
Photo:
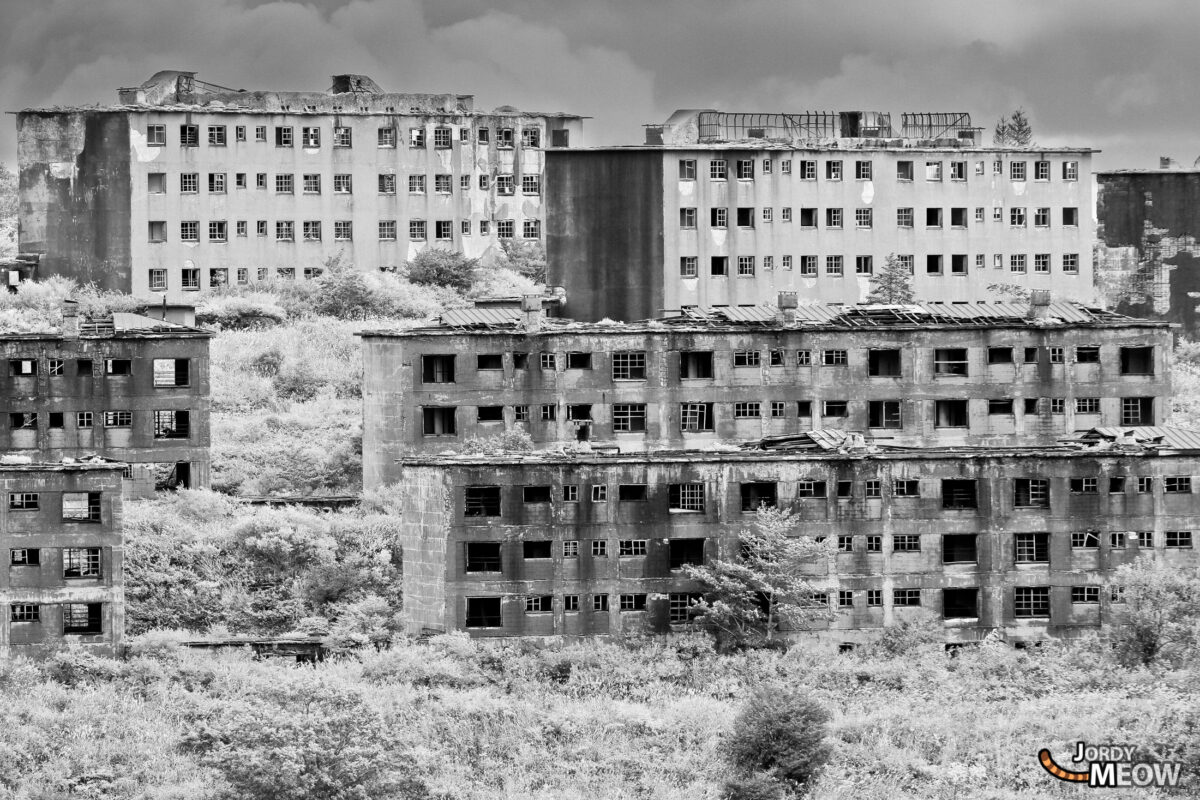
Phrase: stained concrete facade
(127, 388)
(907, 378)
(733, 215)
(1148, 260)
(186, 185)
(62, 544)
(546, 544)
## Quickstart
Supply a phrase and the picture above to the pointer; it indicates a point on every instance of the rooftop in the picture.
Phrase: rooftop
(815, 317)
(118, 325)
(835, 444)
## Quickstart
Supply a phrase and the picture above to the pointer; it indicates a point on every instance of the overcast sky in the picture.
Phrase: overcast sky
(1115, 75)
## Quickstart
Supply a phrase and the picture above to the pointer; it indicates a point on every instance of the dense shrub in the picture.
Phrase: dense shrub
(435, 267)
(240, 312)
(780, 733)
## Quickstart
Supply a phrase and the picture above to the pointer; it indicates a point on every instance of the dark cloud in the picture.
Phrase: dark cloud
(1113, 75)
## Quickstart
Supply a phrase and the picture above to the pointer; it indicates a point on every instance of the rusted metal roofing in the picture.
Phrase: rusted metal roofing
(487, 316)
(1161, 435)
(915, 313)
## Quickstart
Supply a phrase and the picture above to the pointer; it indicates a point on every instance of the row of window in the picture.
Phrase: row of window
(310, 183)
(168, 423)
(342, 136)
(77, 562)
(343, 230)
(168, 372)
(76, 507)
(864, 169)
(880, 362)
(835, 266)
(956, 493)
(865, 217)
(885, 414)
(79, 618)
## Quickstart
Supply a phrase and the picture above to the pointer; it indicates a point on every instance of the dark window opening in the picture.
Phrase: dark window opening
(520, 360)
(1137, 360)
(682, 552)
(579, 411)
(536, 494)
(845, 488)
(172, 424)
(631, 493)
(118, 366)
(884, 414)
(1000, 355)
(83, 618)
(960, 603)
(1000, 407)
(1087, 355)
(950, 361)
(538, 549)
(483, 612)
(491, 413)
(579, 360)
(883, 363)
(489, 361)
(958, 493)
(482, 501)
(958, 548)
(437, 369)
(482, 557)
(695, 364)
(950, 414)
(756, 495)
(83, 367)
(171, 372)
(438, 421)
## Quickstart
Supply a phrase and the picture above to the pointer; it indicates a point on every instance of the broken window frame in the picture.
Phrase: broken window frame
(885, 414)
(481, 501)
(686, 498)
(81, 506)
(83, 618)
(23, 501)
(632, 548)
(1085, 540)
(629, 417)
(81, 562)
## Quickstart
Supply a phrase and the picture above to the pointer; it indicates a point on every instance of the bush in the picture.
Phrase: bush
(759, 786)
(434, 267)
(240, 312)
(780, 733)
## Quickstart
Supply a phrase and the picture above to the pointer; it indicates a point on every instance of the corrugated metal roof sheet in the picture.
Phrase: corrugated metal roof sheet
(469, 317)
(1173, 438)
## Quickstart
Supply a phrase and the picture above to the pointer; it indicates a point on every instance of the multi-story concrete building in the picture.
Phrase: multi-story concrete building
(185, 184)
(1018, 540)
(721, 209)
(61, 541)
(128, 388)
(979, 375)
(1148, 259)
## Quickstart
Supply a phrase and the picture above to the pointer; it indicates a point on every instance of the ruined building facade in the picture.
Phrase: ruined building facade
(721, 209)
(61, 543)
(126, 388)
(185, 185)
(946, 375)
(1011, 539)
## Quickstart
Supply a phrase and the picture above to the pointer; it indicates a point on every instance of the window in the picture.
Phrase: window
(808, 170)
(490, 413)
(874, 544)
(778, 408)
(505, 229)
(531, 184)
(1031, 493)
(1179, 539)
(958, 493)
(483, 612)
(189, 135)
(862, 170)
(284, 184)
(599, 602)
(443, 184)
(906, 597)
(118, 366)
(25, 612)
(906, 543)
(216, 182)
(696, 417)
(745, 217)
(1016, 217)
(530, 229)
(686, 497)
(217, 231)
(1089, 539)
(599, 495)
(863, 265)
(438, 421)
(717, 170)
(81, 562)
(1032, 548)
(687, 169)
(23, 501)
(1070, 263)
(504, 138)
(1137, 410)
(1041, 217)
(1085, 594)
(83, 618)
(958, 170)
(906, 488)
(22, 420)
(718, 217)
(570, 549)
(343, 184)
(1070, 217)
(833, 265)
(950, 361)
(863, 217)
(808, 266)
(1056, 355)
(629, 548)
(998, 407)
(285, 231)
(548, 413)
(958, 548)
(884, 414)
(416, 230)
(1087, 354)
(118, 419)
(874, 597)
(1087, 405)
(979, 214)
(416, 137)
(170, 372)
(960, 603)
(958, 218)
(343, 230)
(904, 170)
(745, 169)
(189, 182)
(241, 227)
(808, 217)
(548, 361)
(190, 278)
(156, 135)
(387, 184)
(22, 367)
(283, 136)
(481, 501)
(747, 358)
(757, 495)
(1178, 484)
(437, 369)
(688, 267)
(442, 137)
(747, 410)
(1070, 170)
(695, 364)
(1041, 263)
(629, 365)
(833, 358)
(679, 604)
(537, 604)
(833, 218)
(833, 170)
(904, 217)
(1031, 601)
(387, 230)
(81, 506)
(933, 170)
(312, 183)
(933, 218)
(1016, 170)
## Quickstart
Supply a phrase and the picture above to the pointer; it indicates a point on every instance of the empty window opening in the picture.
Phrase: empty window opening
(172, 424)
(170, 372)
(579, 360)
(696, 417)
(483, 612)
(535, 494)
(631, 493)
(537, 549)
(959, 493)
(758, 494)
(481, 557)
(81, 506)
(1137, 361)
(489, 361)
(884, 414)
(81, 562)
(960, 603)
(958, 548)
(950, 414)
(950, 361)
(490, 413)
(883, 363)
(438, 421)
(437, 369)
(482, 501)
(83, 618)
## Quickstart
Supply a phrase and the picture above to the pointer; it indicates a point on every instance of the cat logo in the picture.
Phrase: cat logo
(1113, 766)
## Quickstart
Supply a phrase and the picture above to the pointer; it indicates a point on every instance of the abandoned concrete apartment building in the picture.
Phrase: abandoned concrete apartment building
(725, 209)
(60, 535)
(185, 185)
(961, 499)
(125, 387)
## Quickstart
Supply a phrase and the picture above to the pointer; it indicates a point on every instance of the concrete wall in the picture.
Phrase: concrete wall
(598, 190)
(995, 523)
(605, 232)
(395, 394)
(75, 195)
(90, 389)
(425, 506)
(1148, 260)
(44, 584)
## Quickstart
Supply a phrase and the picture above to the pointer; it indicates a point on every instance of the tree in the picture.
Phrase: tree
(525, 258)
(778, 738)
(436, 267)
(766, 586)
(892, 284)
(1014, 131)
(1159, 620)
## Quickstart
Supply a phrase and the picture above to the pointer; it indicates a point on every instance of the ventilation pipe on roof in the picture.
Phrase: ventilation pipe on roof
(787, 304)
(70, 312)
(532, 311)
(1039, 304)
